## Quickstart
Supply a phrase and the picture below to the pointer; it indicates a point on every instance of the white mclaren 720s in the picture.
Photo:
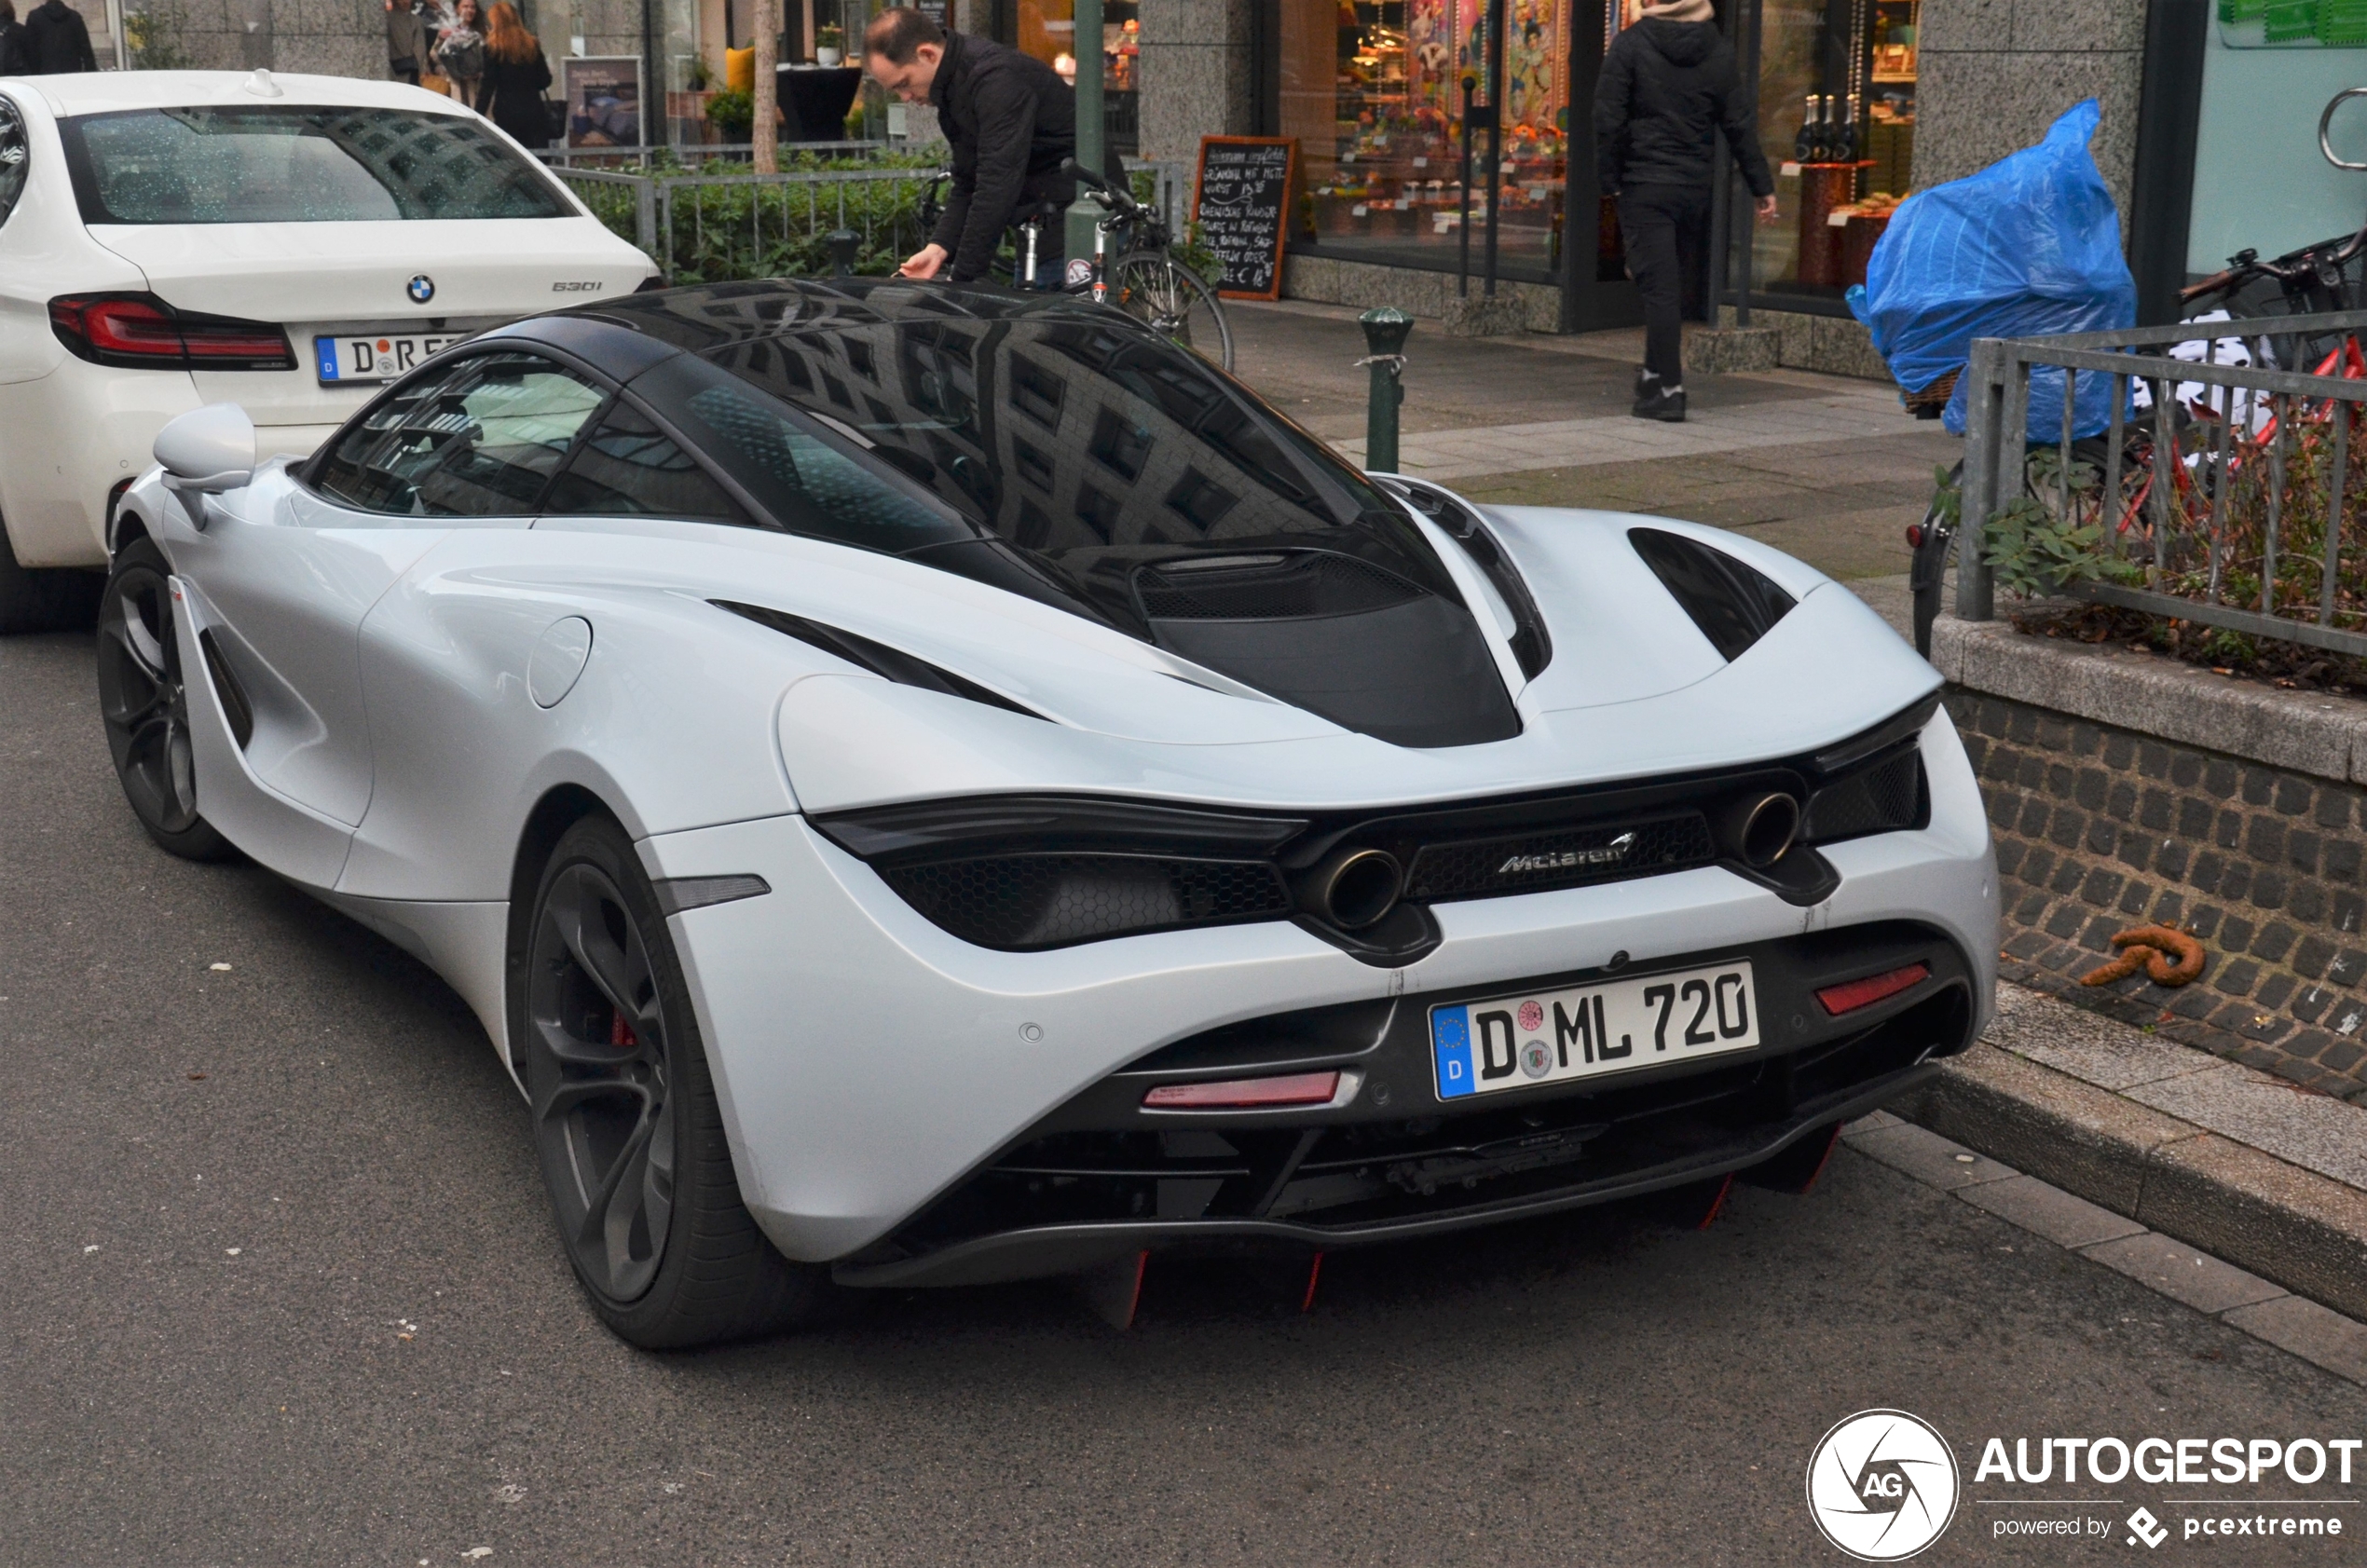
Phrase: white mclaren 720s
(929, 787)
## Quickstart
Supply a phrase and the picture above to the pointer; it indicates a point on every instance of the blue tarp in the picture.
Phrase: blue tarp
(2029, 245)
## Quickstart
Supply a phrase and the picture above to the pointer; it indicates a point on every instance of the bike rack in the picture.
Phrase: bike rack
(2327, 120)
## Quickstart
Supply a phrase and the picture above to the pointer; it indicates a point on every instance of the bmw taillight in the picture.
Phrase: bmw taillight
(141, 332)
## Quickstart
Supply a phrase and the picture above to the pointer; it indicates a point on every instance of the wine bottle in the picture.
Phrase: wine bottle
(1804, 144)
(1844, 148)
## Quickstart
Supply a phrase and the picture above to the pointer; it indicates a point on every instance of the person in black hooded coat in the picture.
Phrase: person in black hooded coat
(57, 40)
(16, 44)
(1669, 85)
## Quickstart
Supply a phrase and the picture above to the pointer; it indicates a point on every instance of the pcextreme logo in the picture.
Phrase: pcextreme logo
(1883, 1485)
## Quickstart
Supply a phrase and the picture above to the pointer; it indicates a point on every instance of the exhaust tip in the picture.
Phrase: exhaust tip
(1355, 888)
(1760, 829)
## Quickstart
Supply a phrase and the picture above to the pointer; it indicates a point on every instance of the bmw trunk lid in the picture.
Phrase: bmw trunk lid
(388, 277)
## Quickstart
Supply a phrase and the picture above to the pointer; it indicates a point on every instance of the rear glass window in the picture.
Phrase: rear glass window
(1092, 447)
(297, 164)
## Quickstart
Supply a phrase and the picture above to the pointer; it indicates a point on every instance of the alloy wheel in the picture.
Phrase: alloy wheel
(144, 701)
(599, 1076)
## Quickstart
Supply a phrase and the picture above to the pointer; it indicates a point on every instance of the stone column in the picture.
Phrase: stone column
(1195, 75)
(1995, 73)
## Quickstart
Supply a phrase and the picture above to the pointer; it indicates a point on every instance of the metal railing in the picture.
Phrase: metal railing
(711, 225)
(2228, 499)
(720, 152)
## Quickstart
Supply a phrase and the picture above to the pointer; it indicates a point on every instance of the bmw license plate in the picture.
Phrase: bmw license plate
(364, 359)
(1514, 1042)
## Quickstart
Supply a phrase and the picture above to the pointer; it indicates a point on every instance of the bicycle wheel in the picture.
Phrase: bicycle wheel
(1170, 299)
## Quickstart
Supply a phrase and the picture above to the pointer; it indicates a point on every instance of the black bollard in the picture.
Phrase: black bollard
(843, 243)
(1385, 330)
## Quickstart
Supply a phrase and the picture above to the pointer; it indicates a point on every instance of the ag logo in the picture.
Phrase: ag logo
(1883, 1485)
(421, 288)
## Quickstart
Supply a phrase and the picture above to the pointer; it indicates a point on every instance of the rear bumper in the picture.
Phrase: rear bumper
(870, 1064)
(1035, 1251)
(1103, 1176)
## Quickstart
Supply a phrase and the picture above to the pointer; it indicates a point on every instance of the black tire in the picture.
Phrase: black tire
(49, 599)
(144, 701)
(626, 1125)
(1171, 299)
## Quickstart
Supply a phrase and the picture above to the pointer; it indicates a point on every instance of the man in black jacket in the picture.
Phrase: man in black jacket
(1011, 122)
(1669, 82)
(57, 40)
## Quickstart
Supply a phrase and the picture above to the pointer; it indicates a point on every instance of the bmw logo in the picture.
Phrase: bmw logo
(421, 288)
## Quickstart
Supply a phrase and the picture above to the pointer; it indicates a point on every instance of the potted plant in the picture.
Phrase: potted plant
(829, 44)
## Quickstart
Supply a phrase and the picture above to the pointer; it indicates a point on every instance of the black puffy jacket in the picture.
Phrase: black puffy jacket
(1665, 86)
(1012, 123)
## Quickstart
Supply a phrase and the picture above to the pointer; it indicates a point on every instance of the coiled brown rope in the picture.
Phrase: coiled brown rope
(2167, 956)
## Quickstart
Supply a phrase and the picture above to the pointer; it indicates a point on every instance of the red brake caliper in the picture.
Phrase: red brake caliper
(620, 1032)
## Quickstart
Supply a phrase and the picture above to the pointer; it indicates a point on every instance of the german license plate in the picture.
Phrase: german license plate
(1549, 1037)
(364, 359)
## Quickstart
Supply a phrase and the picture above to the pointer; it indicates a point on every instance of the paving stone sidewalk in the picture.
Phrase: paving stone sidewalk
(1825, 467)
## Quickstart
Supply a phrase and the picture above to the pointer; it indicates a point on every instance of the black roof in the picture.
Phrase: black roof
(703, 317)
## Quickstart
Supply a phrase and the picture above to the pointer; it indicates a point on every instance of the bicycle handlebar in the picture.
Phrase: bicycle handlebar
(1110, 198)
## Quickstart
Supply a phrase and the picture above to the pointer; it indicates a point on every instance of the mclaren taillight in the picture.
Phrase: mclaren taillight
(142, 332)
(1850, 995)
(1246, 1093)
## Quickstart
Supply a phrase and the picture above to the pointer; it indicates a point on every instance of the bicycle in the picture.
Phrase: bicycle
(2313, 279)
(1145, 281)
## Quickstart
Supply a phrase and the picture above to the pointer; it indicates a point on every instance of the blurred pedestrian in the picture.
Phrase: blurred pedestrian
(58, 41)
(459, 51)
(1668, 86)
(16, 48)
(516, 75)
(406, 42)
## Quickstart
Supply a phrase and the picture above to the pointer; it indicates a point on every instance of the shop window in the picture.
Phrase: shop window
(1837, 119)
(1046, 29)
(1375, 94)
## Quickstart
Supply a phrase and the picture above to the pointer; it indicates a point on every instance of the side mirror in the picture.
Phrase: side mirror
(207, 450)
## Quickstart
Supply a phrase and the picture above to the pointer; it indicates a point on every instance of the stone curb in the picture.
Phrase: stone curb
(2210, 1284)
(2309, 733)
(2302, 1231)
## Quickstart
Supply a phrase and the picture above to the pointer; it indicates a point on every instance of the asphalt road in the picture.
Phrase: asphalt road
(282, 1289)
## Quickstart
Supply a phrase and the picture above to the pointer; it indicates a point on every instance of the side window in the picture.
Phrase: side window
(480, 440)
(627, 467)
(16, 157)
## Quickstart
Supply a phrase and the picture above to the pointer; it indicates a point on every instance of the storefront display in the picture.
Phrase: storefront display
(1375, 94)
(1836, 91)
(1046, 29)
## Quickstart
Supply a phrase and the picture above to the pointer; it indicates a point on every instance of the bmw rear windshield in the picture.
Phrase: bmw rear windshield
(298, 164)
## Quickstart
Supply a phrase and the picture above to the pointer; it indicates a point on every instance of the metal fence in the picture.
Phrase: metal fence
(710, 224)
(2232, 496)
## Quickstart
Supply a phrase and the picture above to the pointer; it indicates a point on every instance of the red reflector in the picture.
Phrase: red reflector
(1851, 995)
(1243, 1093)
(1914, 535)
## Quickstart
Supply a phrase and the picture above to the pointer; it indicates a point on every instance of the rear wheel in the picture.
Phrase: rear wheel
(1173, 301)
(625, 1118)
(145, 705)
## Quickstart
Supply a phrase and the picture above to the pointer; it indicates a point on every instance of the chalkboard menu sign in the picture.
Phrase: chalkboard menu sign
(1243, 207)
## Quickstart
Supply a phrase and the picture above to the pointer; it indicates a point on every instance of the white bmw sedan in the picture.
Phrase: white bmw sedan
(173, 239)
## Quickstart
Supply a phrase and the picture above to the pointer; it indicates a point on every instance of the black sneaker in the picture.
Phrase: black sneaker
(1644, 382)
(1664, 403)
